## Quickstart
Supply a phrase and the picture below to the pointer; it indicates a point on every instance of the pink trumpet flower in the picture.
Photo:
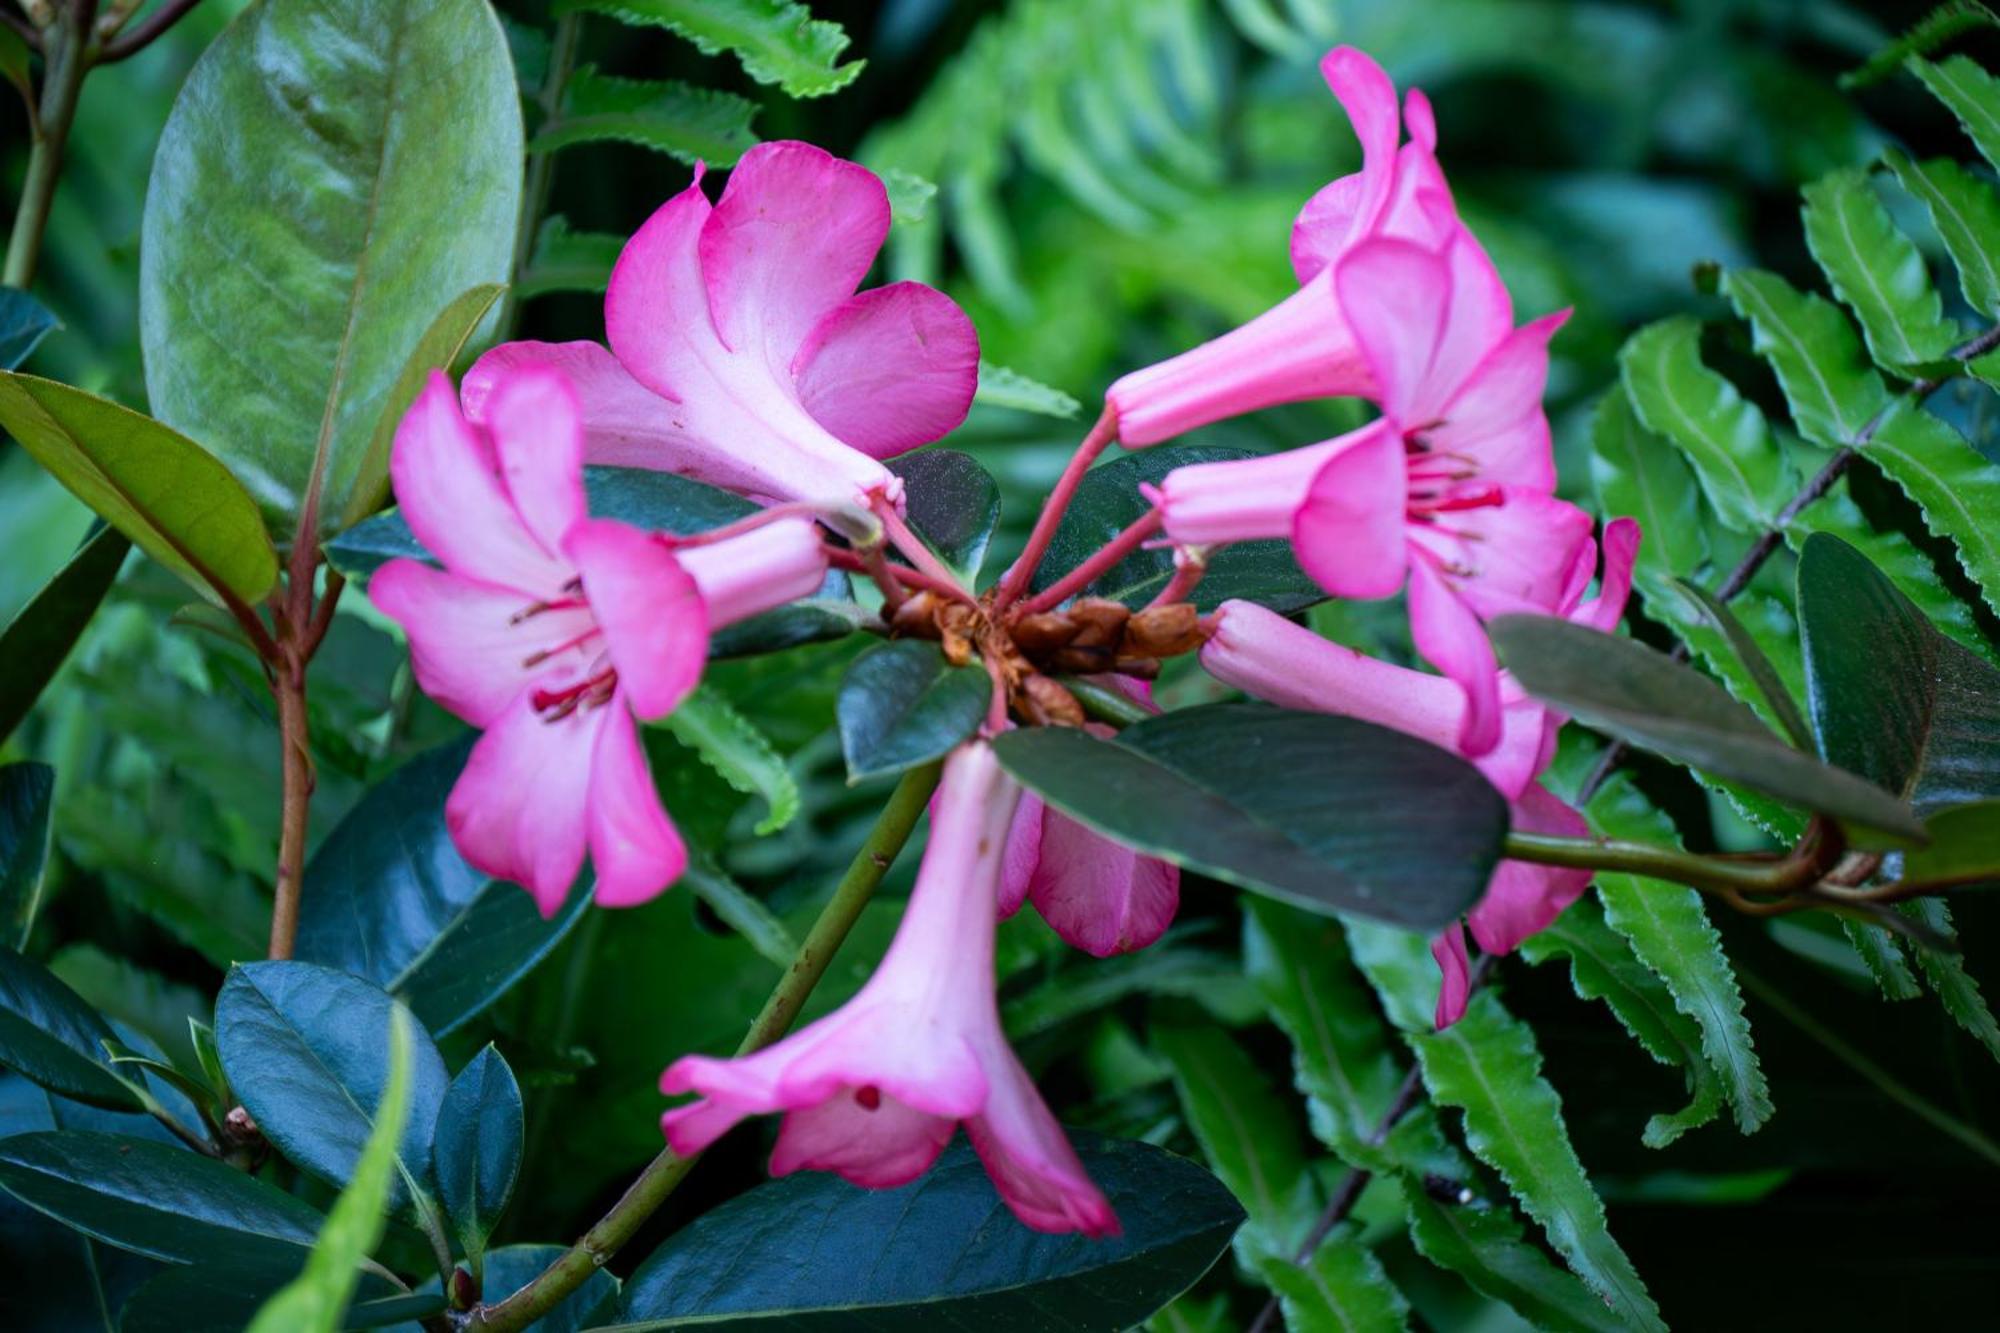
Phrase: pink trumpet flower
(1448, 490)
(1098, 896)
(551, 631)
(1303, 347)
(744, 356)
(875, 1090)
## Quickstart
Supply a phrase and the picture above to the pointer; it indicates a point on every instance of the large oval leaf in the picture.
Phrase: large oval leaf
(901, 704)
(1329, 813)
(954, 505)
(151, 483)
(941, 1252)
(307, 1049)
(389, 898)
(331, 177)
(48, 1034)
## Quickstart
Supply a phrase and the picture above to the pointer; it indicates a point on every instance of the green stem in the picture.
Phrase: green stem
(1668, 863)
(65, 62)
(1104, 704)
(665, 1172)
(542, 164)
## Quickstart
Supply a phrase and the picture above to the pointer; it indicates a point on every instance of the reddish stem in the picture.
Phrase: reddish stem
(1015, 581)
(1086, 573)
(1187, 574)
(910, 544)
(748, 523)
(841, 558)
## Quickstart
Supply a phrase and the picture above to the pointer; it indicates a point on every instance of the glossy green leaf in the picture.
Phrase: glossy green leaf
(315, 1301)
(1326, 813)
(171, 497)
(307, 1050)
(154, 1199)
(477, 1152)
(1754, 663)
(954, 504)
(729, 743)
(1971, 94)
(1485, 1247)
(1641, 696)
(1890, 697)
(778, 41)
(1001, 387)
(389, 899)
(1109, 500)
(665, 115)
(27, 796)
(1964, 847)
(1487, 1066)
(1966, 212)
(24, 321)
(1723, 435)
(1876, 271)
(1604, 967)
(277, 317)
(1668, 928)
(1341, 1288)
(1638, 474)
(901, 704)
(939, 1252)
(36, 641)
(48, 1034)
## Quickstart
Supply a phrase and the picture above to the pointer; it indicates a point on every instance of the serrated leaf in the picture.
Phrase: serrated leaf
(1341, 1288)
(1947, 21)
(1722, 434)
(1636, 473)
(1001, 387)
(1971, 94)
(1876, 271)
(665, 115)
(1956, 989)
(738, 910)
(1882, 954)
(569, 261)
(1965, 210)
(777, 41)
(1954, 485)
(1832, 390)
(1485, 1247)
(740, 754)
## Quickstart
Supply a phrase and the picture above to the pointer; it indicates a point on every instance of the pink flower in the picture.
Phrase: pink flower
(874, 1090)
(1303, 347)
(1448, 490)
(744, 356)
(1101, 897)
(550, 630)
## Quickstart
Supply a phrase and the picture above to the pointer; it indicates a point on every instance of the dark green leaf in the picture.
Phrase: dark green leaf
(278, 319)
(38, 639)
(1753, 661)
(1630, 691)
(954, 504)
(1972, 94)
(1327, 813)
(222, 1295)
(1109, 500)
(478, 1147)
(27, 794)
(1966, 212)
(1876, 271)
(50, 1035)
(159, 488)
(512, 1267)
(665, 115)
(1964, 848)
(307, 1050)
(778, 42)
(1001, 387)
(939, 1252)
(388, 898)
(24, 321)
(1342, 1287)
(1946, 972)
(1485, 1247)
(157, 1200)
(901, 704)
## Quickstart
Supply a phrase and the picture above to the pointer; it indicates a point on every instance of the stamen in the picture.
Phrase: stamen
(555, 705)
(537, 658)
(536, 608)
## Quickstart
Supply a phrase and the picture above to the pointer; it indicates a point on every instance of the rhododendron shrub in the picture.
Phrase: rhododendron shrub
(928, 867)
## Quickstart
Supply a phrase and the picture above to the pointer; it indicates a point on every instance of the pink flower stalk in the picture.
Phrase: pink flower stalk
(1449, 490)
(551, 631)
(744, 357)
(875, 1090)
(1303, 347)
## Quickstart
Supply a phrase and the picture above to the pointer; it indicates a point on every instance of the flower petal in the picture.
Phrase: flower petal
(649, 608)
(537, 431)
(656, 306)
(794, 233)
(1349, 533)
(1451, 639)
(1241, 499)
(518, 810)
(1023, 853)
(877, 1147)
(1512, 556)
(758, 570)
(1496, 416)
(1621, 552)
(1343, 212)
(1030, 1159)
(1100, 897)
(625, 424)
(1398, 299)
(891, 369)
(1522, 897)
(1449, 951)
(634, 848)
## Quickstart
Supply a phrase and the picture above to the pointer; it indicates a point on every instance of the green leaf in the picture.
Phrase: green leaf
(1890, 697)
(665, 115)
(1109, 500)
(1341, 1288)
(1247, 1133)
(330, 178)
(1954, 485)
(389, 899)
(316, 1299)
(1723, 435)
(512, 1267)
(1956, 989)
(777, 41)
(1831, 389)
(154, 1199)
(1948, 20)
(222, 1294)
(1752, 660)
(1669, 930)
(707, 723)
(1326, 813)
(569, 261)
(1604, 967)
(1485, 1247)
(27, 797)
(910, 197)
(1637, 474)
(1876, 270)
(1966, 213)
(938, 1252)
(954, 504)
(38, 639)
(477, 1153)
(173, 499)
(24, 321)
(1628, 690)
(737, 909)
(1001, 387)
(1964, 848)
(1487, 1065)
(1971, 94)
(901, 704)
(302, 1046)
(49, 1035)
